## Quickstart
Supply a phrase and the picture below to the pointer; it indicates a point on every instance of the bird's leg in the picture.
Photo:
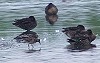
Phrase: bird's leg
(29, 46)
(32, 46)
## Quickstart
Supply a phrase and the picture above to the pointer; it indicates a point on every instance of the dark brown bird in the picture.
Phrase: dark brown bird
(83, 39)
(92, 36)
(51, 9)
(79, 38)
(26, 23)
(71, 31)
(28, 37)
(84, 35)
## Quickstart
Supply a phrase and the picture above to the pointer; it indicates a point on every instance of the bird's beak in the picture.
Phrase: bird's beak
(13, 23)
(38, 40)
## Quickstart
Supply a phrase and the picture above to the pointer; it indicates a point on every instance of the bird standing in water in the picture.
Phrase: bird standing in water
(29, 37)
(79, 38)
(26, 23)
(82, 40)
(51, 9)
(71, 31)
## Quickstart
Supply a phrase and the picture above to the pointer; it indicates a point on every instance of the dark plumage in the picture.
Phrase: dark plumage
(51, 9)
(71, 31)
(79, 38)
(80, 47)
(28, 37)
(83, 35)
(86, 34)
(82, 44)
(26, 23)
(82, 40)
(92, 37)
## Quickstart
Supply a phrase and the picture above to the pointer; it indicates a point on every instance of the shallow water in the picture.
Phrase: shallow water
(53, 48)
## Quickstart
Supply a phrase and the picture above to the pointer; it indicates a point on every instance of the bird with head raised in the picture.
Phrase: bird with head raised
(92, 36)
(26, 23)
(51, 9)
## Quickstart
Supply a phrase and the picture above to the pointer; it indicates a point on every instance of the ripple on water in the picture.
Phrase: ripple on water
(53, 41)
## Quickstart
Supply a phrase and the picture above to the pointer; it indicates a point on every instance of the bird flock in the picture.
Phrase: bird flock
(79, 37)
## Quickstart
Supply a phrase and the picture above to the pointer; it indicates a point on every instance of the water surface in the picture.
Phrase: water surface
(71, 13)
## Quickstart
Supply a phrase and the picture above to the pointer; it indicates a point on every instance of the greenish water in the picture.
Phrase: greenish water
(71, 13)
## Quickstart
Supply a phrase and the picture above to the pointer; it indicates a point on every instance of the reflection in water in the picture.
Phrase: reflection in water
(51, 18)
(80, 38)
(70, 0)
(63, 0)
(75, 48)
(29, 37)
(51, 13)
(70, 14)
(32, 51)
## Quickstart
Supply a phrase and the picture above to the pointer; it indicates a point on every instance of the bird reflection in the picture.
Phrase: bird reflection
(29, 37)
(63, 0)
(51, 19)
(79, 47)
(32, 51)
